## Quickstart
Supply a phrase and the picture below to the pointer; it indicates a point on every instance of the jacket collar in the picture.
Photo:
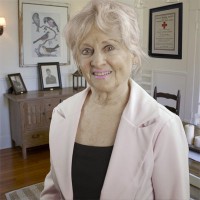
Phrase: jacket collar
(137, 110)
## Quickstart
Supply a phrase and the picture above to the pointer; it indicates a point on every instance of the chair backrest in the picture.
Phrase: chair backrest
(174, 97)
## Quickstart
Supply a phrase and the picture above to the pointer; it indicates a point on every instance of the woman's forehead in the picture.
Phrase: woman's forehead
(99, 35)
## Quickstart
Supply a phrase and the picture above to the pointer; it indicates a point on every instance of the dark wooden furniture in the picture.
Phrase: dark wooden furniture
(30, 116)
(174, 97)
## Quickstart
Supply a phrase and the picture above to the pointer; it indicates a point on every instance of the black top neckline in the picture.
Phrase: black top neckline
(90, 146)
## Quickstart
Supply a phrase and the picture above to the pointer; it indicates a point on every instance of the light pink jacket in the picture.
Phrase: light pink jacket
(149, 158)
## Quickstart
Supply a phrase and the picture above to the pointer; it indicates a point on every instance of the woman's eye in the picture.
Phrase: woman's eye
(109, 48)
(87, 51)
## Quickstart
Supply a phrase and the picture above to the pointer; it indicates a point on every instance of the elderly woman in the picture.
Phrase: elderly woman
(113, 141)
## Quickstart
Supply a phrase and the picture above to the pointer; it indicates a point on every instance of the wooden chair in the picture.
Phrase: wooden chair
(174, 97)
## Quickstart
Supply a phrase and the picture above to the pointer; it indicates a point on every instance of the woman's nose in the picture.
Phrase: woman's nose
(98, 59)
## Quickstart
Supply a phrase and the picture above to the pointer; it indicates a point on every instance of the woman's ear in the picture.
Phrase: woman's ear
(135, 60)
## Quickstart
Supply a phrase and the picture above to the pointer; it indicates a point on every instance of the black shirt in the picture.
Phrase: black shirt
(89, 167)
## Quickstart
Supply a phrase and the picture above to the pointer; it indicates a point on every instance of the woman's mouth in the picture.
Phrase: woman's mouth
(101, 74)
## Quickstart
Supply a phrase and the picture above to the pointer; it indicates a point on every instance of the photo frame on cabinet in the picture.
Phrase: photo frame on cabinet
(49, 74)
(17, 83)
(41, 24)
(165, 31)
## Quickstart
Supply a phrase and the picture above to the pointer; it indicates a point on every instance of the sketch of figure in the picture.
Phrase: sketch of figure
(43, 37)
(50, 50)
(51, 23)
(36, 20)
(50, 79)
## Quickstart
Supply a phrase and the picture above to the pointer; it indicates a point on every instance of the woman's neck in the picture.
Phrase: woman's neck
(116, 97)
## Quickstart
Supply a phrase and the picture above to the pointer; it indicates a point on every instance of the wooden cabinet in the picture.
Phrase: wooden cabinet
(30, 116)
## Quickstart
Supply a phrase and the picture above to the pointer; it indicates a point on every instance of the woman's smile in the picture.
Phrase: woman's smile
(101, 74)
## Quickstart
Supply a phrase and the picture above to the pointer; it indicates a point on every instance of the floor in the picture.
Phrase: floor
(16, 172)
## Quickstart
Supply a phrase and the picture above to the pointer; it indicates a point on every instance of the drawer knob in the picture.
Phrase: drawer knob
(34, 136)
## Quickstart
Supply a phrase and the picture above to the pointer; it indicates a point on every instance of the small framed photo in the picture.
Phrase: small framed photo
(49, 74)
(17, 83)
(165, 31)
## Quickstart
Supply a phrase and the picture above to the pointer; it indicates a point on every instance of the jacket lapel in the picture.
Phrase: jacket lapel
(63, 143)
(125, 170)
(65, 120)
(133, 146)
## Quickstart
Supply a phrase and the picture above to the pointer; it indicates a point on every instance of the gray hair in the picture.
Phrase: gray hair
(107, 15)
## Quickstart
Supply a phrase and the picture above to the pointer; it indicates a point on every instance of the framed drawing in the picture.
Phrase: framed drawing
(49, 74)
(17, 83)
(41, 25)
(165, 31)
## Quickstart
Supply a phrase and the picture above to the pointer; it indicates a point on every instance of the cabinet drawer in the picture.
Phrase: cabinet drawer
(36, 138)
(62, 99)
(33, 114)
(48, 117)
(50, 104)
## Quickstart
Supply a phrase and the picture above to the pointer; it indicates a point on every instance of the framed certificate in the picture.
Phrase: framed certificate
(165, 31)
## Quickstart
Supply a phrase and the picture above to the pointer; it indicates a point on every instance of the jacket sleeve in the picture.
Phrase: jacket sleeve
(171, 171)
(51, 189)
(50, 192)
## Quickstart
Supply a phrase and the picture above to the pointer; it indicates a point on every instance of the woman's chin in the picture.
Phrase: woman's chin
(103, 87)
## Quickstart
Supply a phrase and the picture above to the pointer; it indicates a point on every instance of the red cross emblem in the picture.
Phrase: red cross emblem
(164, 24)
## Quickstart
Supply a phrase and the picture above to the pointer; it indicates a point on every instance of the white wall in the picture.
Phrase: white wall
(9, 62)
(184, 74)
(168, 74)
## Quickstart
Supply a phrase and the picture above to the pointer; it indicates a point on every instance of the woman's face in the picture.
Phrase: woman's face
(104, 61)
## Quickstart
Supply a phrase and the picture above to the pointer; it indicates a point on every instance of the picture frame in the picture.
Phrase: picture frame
(165, 31)
(41, 39)
(49, 74)
(17, 83)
